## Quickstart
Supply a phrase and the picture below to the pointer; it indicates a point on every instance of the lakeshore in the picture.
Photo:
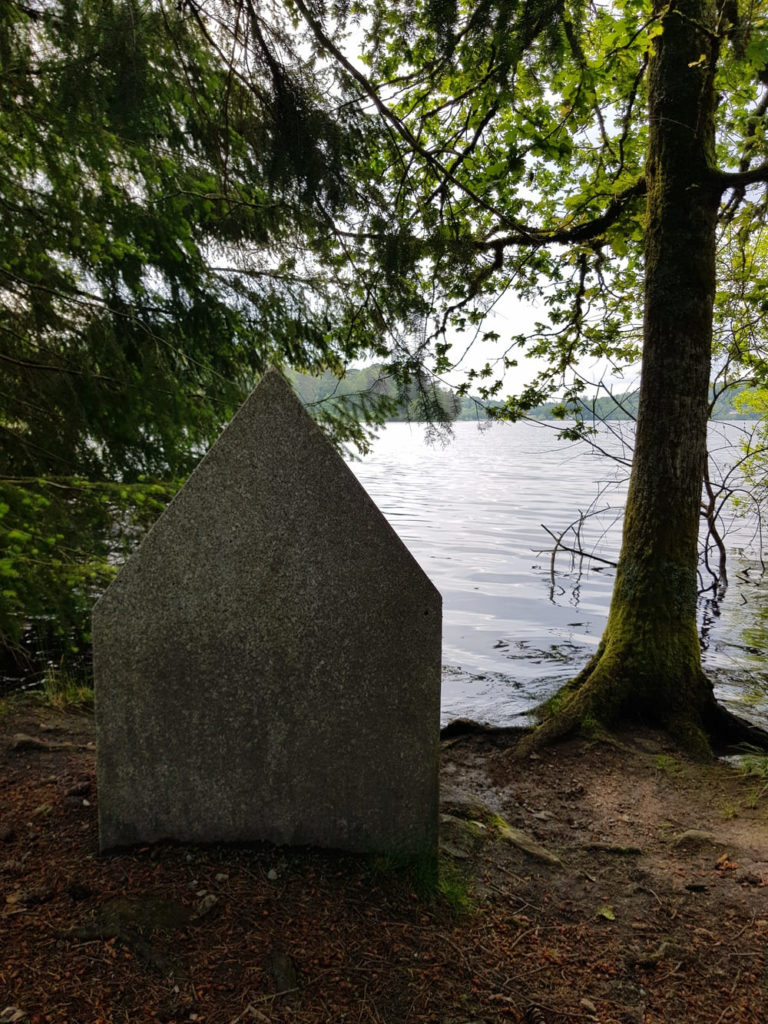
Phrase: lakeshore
(642, 898)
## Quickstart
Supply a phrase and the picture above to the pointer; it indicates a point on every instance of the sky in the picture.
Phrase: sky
(509, 318)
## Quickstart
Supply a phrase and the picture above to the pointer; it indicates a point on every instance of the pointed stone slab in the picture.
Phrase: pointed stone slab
(267, 664)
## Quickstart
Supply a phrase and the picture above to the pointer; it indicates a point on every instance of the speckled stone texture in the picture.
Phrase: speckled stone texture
(268, 663)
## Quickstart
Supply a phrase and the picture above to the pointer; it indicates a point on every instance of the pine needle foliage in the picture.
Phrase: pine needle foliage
(166, 182)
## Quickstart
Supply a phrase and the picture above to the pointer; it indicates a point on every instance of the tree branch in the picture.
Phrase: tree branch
(31, 364)
(583, 232)
(442, 173)
(738, 179)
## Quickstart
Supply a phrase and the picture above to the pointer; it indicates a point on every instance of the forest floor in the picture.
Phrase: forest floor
(645, 901)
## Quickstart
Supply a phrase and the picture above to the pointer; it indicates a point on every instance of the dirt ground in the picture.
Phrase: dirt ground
(642, 897)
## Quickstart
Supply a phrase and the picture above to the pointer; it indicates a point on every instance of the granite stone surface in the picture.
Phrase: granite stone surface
(267, 665)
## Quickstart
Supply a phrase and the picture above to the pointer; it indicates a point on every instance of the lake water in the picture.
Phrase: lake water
(473, 514)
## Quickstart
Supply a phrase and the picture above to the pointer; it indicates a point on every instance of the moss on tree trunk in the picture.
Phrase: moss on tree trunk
(648, 665)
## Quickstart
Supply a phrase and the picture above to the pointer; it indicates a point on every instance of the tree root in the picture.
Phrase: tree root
(699, 733)
(727, 730)
(555, 725)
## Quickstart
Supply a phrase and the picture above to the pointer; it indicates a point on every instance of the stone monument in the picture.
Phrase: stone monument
(267, 665)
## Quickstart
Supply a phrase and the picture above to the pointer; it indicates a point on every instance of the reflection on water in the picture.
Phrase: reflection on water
(737, 640)
(473, 514)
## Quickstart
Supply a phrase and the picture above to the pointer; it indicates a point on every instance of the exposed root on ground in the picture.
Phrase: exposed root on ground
(593, 704)
(728, 730)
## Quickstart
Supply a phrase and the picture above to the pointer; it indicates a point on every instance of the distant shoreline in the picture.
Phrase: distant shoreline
(369, 386)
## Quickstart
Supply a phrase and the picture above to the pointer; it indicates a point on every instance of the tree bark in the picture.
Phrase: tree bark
(648, 664)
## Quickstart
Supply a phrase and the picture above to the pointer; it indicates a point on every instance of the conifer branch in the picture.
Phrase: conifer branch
(443, 174)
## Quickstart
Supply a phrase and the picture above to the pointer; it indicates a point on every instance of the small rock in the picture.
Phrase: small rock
(205, 906)
(618, 851)
(257, 1014)
(77, 891)
(284, 972)
(31, 897)
(696, 837)
(461, 805)
(665, 951)
(272, 875)
(453, 851)
(7, 832)
(12, 1015)
(12, 866)
(221, 878)
(460, 838)
(21, 741)
(80, 788)
(588, 1005)
(634, 1014)
(750, 878)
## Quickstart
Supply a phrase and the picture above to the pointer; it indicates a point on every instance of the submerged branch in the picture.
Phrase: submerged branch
(580, 553)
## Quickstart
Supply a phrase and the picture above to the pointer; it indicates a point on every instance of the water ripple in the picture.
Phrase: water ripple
(472, 513)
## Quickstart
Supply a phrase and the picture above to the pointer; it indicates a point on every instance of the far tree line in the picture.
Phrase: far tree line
(405, 401)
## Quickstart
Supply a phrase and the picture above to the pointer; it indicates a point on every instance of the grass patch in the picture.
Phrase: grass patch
(442, 882)
(65, 692)
(419, 873)
(728, 809)
(753, 797)
(666, 764)
(453, 886)
(754, 765)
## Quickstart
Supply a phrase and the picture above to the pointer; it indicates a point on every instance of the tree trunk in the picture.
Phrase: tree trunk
(648, 664)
